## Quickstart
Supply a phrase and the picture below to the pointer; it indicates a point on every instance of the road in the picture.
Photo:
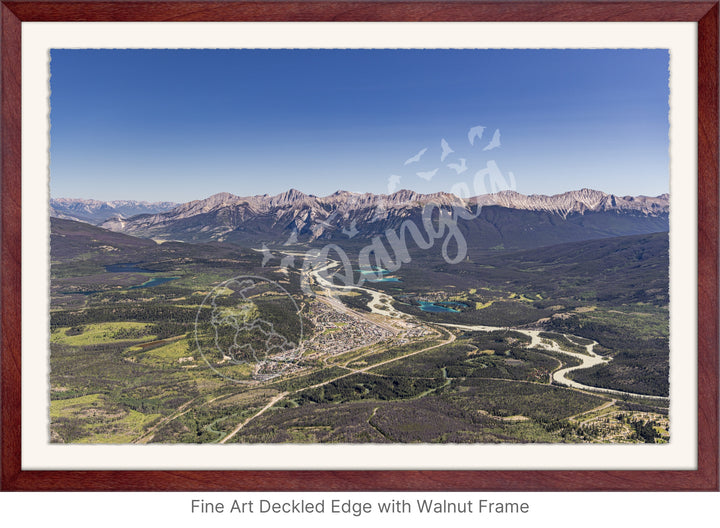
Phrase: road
(375, 365)
(588, 360)
(272, 402)
(148, 435)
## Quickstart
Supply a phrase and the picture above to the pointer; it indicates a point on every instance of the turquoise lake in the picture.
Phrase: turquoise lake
(438, 307)
(381, 272)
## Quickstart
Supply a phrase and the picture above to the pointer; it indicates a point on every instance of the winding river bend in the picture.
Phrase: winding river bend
(560, 376)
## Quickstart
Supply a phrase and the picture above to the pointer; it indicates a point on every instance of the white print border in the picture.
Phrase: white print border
(679, 38)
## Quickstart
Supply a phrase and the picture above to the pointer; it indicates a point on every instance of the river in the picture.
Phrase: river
(560, 376)
(381, 303)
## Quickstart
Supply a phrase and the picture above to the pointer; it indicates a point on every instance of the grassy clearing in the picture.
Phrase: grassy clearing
(242, 372)
(101, 333)
(330, 331)
(487, 352)
(70, 407)
(166, 355)
(481, 305)
(524, 298)
(585, 309)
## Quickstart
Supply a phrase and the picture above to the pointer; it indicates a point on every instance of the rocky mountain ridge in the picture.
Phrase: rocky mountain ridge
(580, 201)
(345, 215)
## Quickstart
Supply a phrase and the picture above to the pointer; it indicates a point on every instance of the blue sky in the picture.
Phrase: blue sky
(179, 125)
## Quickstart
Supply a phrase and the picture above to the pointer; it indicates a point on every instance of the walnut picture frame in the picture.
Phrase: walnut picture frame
(14, 478)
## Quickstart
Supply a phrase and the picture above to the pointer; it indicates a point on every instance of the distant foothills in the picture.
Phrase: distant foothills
(506, 220)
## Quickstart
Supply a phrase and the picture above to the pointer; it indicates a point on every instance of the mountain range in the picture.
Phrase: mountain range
(96, 211)
(506, 220)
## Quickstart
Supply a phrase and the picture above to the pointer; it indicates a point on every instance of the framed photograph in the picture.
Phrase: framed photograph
(305, 246)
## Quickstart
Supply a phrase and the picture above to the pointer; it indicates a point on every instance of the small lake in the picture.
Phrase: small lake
(153, 282)
(375, 270)
(132, 267)
(380, 274)
(126, 267)
(439, 307)
(435, 307)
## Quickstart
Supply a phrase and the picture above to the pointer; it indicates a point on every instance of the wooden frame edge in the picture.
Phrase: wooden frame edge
(12, 477)
(359, 10)
(708, 344)
(10, 283)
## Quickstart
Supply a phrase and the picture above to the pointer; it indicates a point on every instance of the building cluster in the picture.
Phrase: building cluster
(340, 331)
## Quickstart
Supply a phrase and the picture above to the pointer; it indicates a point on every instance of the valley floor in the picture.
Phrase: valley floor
(197, 359)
